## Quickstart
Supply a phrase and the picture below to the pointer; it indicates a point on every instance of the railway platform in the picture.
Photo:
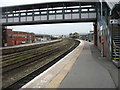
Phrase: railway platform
(29, 44)
(82, 68)
(91, 71)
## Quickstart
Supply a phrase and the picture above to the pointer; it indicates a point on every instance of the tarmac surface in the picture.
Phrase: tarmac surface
(91, 71)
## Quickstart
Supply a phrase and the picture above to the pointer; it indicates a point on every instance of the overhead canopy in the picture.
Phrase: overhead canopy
(116, 11)
(111, 3)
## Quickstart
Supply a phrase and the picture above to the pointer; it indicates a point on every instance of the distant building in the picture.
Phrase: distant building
(11, 38)
(91, 36)
(74, 35)
(87, 37)
(63, 36)
(84, 37)
(42, 37)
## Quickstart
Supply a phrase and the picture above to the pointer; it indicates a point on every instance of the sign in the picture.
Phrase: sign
(91, 31)
(101, 22)
(114, 21)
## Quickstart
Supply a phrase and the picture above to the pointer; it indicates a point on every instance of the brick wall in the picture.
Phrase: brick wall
(9, 37)
(18, 37)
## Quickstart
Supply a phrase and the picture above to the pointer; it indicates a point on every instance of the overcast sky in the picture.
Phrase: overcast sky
(52, 29)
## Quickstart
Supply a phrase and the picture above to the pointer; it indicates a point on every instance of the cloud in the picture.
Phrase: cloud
(21, 2)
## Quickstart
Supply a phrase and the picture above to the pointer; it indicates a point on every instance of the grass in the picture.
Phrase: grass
(18, 58)
(21, 57)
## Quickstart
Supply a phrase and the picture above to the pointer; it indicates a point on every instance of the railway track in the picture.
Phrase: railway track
(38, 63)
(10, 56)
(35, 56)
(21, 48)
(16, 57)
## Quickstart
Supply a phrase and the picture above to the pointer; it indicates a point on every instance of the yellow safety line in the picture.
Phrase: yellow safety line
(58, 79)
(116, 58)
(114, 43)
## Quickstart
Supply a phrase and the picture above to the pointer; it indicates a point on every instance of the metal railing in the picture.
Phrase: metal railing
(38, 13)
(116, 52)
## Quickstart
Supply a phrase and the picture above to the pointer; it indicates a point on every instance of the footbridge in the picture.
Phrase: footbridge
(44, 13)
(105, 15)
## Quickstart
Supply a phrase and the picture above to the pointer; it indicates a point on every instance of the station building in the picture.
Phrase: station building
(12, 38)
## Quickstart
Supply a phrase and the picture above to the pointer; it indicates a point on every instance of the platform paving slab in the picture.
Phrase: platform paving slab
(87, 72)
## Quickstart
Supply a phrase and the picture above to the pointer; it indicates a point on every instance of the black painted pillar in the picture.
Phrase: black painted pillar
(4, 40)
(0, 35)
(95, 33)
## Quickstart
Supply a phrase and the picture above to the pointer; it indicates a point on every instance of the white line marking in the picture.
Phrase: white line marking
(49, 76)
